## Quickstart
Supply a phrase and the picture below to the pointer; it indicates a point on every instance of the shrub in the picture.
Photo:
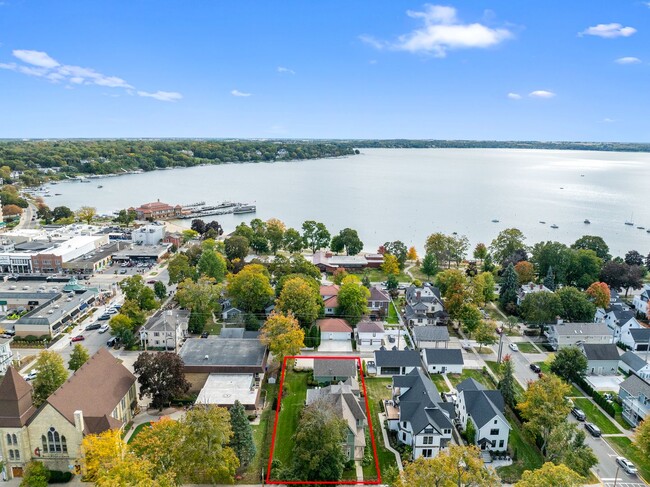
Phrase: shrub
(381, 406)
(59, 477)
(31, 338)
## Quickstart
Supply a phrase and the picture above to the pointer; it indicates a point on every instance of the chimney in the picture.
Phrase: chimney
(206, 357)
(532, 286)
(418, 294)
(79, 421)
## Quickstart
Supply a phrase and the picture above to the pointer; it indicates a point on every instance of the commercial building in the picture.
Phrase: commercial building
(151, 234)
(157, 211)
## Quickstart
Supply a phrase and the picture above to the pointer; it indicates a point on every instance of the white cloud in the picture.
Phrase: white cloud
(239, 93)
(608, 31)
(442, 32)
(541, 94)
(628, 60)
(514, 96)
(607, 120)
(42, 65)
(282, 69)
(162, 95)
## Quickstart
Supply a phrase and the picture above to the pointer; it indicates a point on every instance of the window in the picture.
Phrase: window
(17, 454)
(11, 455)
(8, 439)
(427, 453)
(403, 436)
(501, 444)
(446, 432)
(494, 432)
(53, 442)
(495, 421)
(427, 440)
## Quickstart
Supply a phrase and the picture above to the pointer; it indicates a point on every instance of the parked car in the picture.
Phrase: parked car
(93, 326)
(112, 341)
(535, 368)
(111, 311)
(467, 346)
(78, 338)
(122, 271)
(579, 414)
(104, 328)
(104, 317)
(205, 334)
(593, 429)
(626, 465)
(31, 376)
(513, 347)
(151, 281)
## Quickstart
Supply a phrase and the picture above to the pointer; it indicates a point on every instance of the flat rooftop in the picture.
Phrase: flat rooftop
(98, 254)
(225, 389)
(230, 352)
(142, 251)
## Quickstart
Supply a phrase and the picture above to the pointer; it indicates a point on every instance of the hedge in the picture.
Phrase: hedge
(597, 397)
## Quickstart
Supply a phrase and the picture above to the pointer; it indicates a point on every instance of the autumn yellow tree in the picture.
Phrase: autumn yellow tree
(133, 471)
(599, 293)
(301, 299)
(412, 254)
(550, 474)
(158, 444)
(283, 335)
(458, 465)
(525, 272)
(101, 452)
(390, 265)
(642, 437)
(86, 214)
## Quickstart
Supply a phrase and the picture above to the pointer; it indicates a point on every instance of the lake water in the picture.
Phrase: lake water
(407, 194)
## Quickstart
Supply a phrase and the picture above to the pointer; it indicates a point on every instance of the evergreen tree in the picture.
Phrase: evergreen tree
(242, 440)
(509, 287)
(429, 265)
(488, 264)
(365, 280)
(549, 280)
(78, 357)
(507, 382)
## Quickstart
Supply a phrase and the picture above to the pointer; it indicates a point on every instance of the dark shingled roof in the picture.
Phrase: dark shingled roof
(397, 358)
(15, 400)
(451, 356)
(421, 403)
(601, 351)
(335, 367)
(635, 386)
(377, 294)
(482, 404)
(431, 333)
(635, 362)
(622, 315)
(640, 335)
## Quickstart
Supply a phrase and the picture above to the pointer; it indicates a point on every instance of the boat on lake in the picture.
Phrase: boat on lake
(241, 209)
(641, 228)
(554, 226)
(100, 186)
(587, 221)
(542, 222)
(495, 221)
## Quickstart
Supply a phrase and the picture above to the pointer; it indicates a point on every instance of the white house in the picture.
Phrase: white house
(370, 334)
(620, 320)
(334, 329)
(634, 393)
(636, 338)
(443, 360)
(530, 288)
(396, 362)
(165, 329)
(418, 416)
(574, 334)
(602, 358)
(484, 408)
(5, 355)
(150, 234)
(631, 363)
(431, 336)
(424, 306)
(640, 302)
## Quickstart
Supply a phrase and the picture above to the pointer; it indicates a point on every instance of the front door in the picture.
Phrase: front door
(331, 336)
(17, 471)
(444, 370)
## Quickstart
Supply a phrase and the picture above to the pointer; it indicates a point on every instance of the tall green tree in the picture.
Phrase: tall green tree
(78, 357)
(506, 243)
(570, 364)
(160, 290)
(201, 298)
(161, 376)
(507, 383)
(397, 249)
(315, 235)
(353, 299)
(293, 241)
(552, 254)
(509, 288)
(486, 333)
(179, 268)
(236, 247)
(275, 233)
(541, 308)
(429, 265)
(302, 299)
(470, 317)
(51, 375)
(584, 268)
(349, 240)
(566, 446)
(591, 242)
(549, 280)
(242, 441)
(576, 305)
(250, 289)
(212, 264)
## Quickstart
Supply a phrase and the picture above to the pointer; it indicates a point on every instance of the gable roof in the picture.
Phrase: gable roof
(370, 327)
(481, 404)
(335, 367)
(622, 315)
(397, 358)
(16, 406)
(635, 362)
(329, 290)
(601, 351)
(95, 389)
(573, 329)
(640, 335)
(331, 302)
(334, 325)
(377, 294)
(450, 356)
(431, 333)
(636, 386)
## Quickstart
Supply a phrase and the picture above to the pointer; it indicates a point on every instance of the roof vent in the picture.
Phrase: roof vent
(206, 357)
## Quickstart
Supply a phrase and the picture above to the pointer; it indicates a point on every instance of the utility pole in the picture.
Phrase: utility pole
(500, 346)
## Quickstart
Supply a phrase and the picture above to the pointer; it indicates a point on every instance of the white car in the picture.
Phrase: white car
(514, 347)
(626, 465)
(111, 311)
(31, 376)
(104, 328)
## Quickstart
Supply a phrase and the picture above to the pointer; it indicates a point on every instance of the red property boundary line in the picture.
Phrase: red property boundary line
(368, 415)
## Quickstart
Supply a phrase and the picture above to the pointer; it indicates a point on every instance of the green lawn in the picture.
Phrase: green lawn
(213, 328)
(376, 389)
(137, 430)
(594, 415)
(575, 392)
(619, 416)
(392, 318)
(527, 347)
(290, 408)
(475, 374)
(528, 457)
(377, 275)
(624, 446)
(440, 383)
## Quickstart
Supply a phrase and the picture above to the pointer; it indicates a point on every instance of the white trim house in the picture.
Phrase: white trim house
(443, 360)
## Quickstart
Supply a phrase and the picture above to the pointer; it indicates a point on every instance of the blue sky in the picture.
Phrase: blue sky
(542, 70)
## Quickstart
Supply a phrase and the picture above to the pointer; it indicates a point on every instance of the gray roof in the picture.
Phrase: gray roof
(481, 404)
(581, 329)
(451, 356)
(60, 308)
(636, 386)
(377, 294)
(238, 333)
(370, 327)
(397, 358)
(162, 321)
(220, 351)
(431, 333)
(335, 367)
(601, 351)
(640, 335)
(635, 362)
(622, 315)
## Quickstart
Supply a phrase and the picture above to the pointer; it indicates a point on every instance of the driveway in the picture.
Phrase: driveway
(335, 346)
(605, 382)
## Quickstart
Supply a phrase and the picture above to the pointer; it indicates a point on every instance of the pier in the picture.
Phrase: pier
(200, 210)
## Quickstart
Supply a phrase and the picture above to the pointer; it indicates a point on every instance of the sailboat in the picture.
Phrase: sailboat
(630, 222)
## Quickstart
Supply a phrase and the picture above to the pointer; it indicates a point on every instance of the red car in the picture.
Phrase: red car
(78, 338)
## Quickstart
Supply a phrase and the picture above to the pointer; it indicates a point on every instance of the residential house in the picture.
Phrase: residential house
(370, 334)
(424, 306)
(396, 362)
(443, 360)
(634, 393)
(101, 395)
(431, 336)
(602, 358)
(485, 409)
(230, 313)
(418, 415)
(378, 302)
(165, 329)
(619, 321)
(6, 355)
(631, 363)
(330, 294)
(563, 335)
(334, 329)
(335, 370)
(640, 301)
(636, 338)
(530, 288)
(346, 403)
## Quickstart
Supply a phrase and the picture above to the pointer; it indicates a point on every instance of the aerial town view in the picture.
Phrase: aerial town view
(383, 243)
